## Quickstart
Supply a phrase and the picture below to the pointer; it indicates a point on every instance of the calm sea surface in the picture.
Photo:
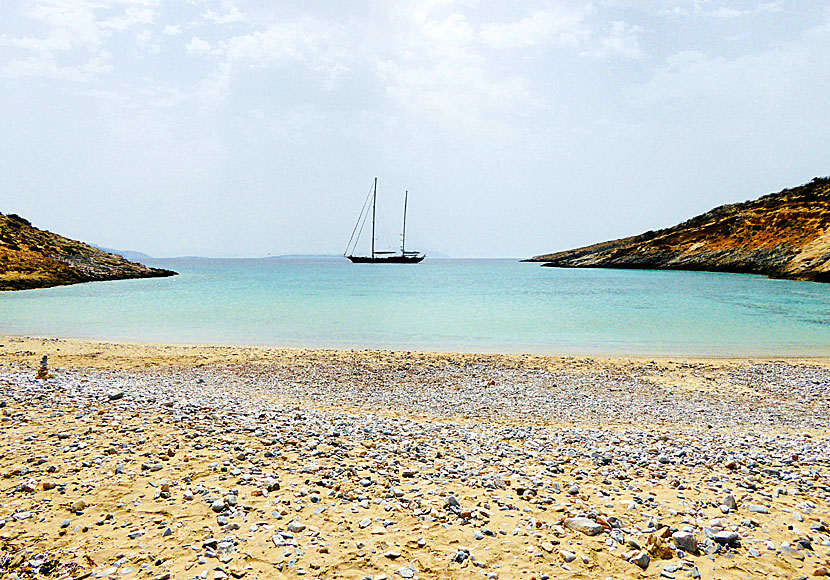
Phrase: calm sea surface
(443, 305)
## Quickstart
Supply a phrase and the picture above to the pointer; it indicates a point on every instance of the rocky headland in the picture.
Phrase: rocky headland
(781, 235)
(34, 258)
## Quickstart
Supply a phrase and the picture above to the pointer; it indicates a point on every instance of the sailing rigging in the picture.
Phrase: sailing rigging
(378, 257)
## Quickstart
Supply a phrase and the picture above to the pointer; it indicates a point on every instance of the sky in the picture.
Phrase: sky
(255, 128)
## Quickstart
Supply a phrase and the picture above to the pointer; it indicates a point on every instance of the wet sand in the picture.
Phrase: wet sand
(170, 461)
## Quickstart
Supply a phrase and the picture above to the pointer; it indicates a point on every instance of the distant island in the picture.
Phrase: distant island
(780, 235)
(33, 258)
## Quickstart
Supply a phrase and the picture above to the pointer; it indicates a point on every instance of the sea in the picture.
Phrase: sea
(444, 305)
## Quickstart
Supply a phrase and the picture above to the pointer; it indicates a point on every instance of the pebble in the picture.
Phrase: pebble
(585, 525)
(685, 541)
(516, 469)
(726, 538)
(641, 559)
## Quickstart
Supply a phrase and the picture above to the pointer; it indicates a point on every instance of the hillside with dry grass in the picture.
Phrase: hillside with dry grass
(781, 235)
(34, 258)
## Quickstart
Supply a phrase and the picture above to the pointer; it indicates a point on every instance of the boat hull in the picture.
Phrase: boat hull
(385, 259)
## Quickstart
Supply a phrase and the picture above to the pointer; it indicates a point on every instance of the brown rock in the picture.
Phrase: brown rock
(658, 547)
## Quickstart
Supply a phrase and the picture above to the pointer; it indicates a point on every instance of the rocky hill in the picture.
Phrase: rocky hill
(33, 258)
(781, 235)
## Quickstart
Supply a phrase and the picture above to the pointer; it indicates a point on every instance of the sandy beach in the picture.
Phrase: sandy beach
(185, 462)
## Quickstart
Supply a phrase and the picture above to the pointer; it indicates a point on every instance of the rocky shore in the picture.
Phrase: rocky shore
(144, 461)
(34, 258)
(781, 235)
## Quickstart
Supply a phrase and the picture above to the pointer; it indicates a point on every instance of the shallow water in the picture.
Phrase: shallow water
(443, 305)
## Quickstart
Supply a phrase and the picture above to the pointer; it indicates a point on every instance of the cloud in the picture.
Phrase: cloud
(172, 30)
(229, 14)
(564, 27)
(787, 80)
(76, 30)
(724, 12)
(622, 40)
(198, 46)
(146, 40)
(46, 65)
(317, 46)
(702, 8)
(441, 72)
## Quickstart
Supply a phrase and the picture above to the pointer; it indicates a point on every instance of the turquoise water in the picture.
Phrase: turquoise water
(439, 305)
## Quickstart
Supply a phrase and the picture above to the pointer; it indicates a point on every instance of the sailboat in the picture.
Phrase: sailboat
(378, 257)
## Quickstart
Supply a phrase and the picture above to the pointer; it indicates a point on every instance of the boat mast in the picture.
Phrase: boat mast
(374, 203)
(403, 235)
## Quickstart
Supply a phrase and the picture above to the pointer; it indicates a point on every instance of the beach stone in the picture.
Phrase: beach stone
(759, 509)
(804, 544)
(657, 545)
(78, 506)
(406, 572)
(224, 551)
(365, 523)
(115, 395)
(585, 525)
(218, 506)
(685, 541)
(642, 559)
(296, 527)
(729, 501)
(731, 539)
(271, 484)
(567, 556)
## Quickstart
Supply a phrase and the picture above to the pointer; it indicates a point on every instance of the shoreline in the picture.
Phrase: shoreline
(139, 349)
(172, 462)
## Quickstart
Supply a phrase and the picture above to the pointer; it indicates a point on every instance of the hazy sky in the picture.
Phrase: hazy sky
(247, 128)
